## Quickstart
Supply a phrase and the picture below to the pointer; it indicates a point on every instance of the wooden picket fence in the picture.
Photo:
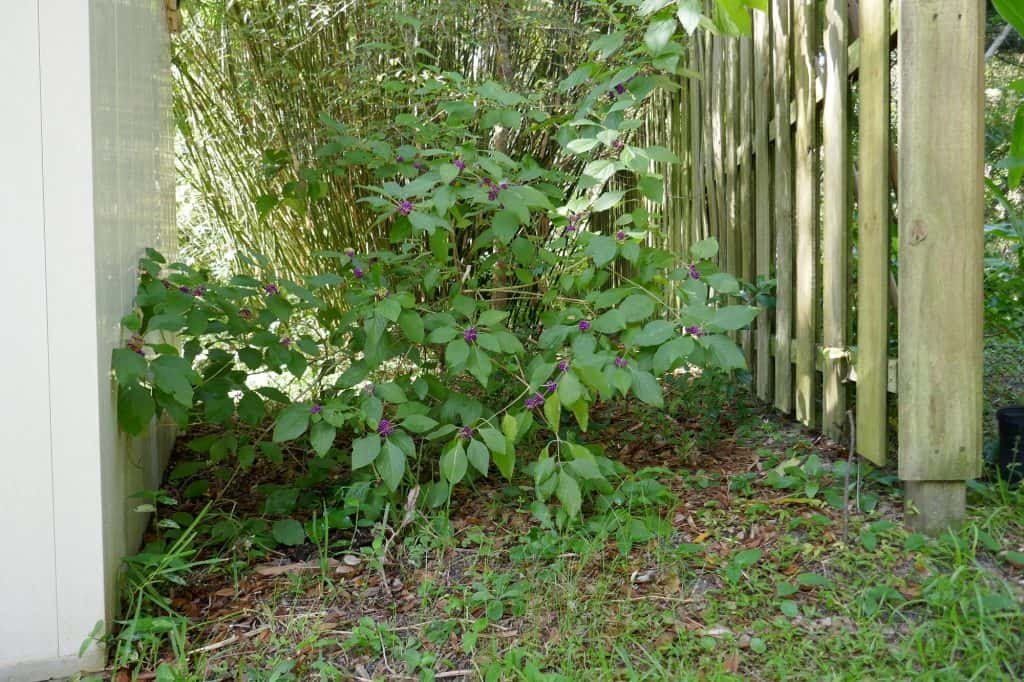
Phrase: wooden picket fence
(788, 160)
(765, 136)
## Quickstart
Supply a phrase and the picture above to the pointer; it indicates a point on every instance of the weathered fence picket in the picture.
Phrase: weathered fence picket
(836, 218)
(783, 186)
(762, 198)
(873, 232)
(805, 53)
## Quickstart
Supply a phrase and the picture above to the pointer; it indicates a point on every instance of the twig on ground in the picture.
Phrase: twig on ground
(228, 642)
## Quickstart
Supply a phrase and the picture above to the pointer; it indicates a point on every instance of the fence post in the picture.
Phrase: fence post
(941, 147)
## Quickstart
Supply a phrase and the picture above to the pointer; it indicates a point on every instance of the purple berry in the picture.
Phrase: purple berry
(534, 401)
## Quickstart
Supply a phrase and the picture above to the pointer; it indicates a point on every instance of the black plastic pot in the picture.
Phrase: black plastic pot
(1011, 442)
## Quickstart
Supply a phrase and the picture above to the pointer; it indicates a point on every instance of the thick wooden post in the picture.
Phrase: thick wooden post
(941, 147)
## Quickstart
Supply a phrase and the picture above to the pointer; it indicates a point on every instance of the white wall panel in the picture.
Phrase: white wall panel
(86, 129)
(27, 574)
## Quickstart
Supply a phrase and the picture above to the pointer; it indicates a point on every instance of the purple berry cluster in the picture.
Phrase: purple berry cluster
(135, 344)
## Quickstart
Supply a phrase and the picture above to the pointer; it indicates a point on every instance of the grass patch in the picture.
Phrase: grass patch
(719, 554)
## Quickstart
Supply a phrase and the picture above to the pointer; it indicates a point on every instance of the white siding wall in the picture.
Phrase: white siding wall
(86, 184)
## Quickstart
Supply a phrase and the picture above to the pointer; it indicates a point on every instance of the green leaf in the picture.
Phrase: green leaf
(647, 389)
(443, 335)
(704, 249)
(733, 317)
(784, 589)
(391, 466)
(584, 463)
(606, 45)
(478, 456)
(598, 172)
(1017, 145)
(456, 353)
(813, 579)
(602, 249)
(1012, 11)
(321, 437)
(418, 423)
(495, 440)
(365, 450)
(581, 410)
(169, 376)
(652, 6)
(505, 225)
(135, 408)
(510, 428)
(568, 493)
(606, 201)
(671, 352)
(412, 326)
(505, 461)
(291, 423)
(747, 558)
(553, 413)
(733, 18)
(723, 283)
(132, 321)
(390, 393)
(569, 389)
(609, 322)
(128, 365)
(454, 463)
(658, 35)
(288, 532)
(655, 333)
(789, 608)
(724, 352)
(448, 172)
(637, 307)
(480, 366)
(582, 145)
